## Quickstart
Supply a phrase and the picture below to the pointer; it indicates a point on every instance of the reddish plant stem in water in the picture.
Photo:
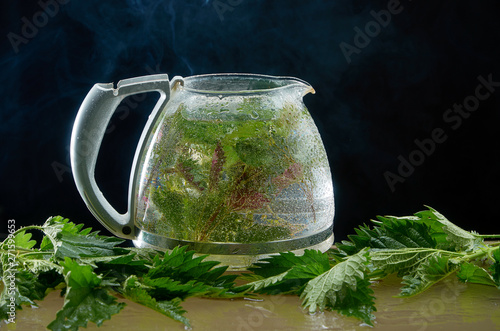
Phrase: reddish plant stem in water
(205, 232)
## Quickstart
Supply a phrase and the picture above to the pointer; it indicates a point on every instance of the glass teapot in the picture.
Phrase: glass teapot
(231, 165)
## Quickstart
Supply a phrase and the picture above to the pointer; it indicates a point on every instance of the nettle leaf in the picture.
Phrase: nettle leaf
(90, 245)
(180, 265)
(390, 233)
(51, 279)
(434, 228)
(432, 270)
(358, 302)
(84, 300)
(165, 288)
(403, 233)
(266, 282)
(24, 277)
(495, 267)
(278, 264)
(298, 270)
(402, 261)
(121, 267)
(457, 237)
(134, 290)
(343, 288)
(57, 224)
(308, 271)
(179, 275)
(290, 281)
(73, 241)
(23, 287)
(364, 237)
(39, 264)
(471, 273)
(254, 153)
(23, 240)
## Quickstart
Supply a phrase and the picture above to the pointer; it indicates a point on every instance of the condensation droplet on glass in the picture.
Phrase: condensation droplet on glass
(254, 115)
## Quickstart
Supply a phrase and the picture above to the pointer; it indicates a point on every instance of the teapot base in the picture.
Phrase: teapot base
(238, 256)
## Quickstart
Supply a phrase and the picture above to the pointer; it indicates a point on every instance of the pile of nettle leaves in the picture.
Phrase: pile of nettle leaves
(92, 270)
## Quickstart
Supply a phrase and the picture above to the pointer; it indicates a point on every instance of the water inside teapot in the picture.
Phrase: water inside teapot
(241, 175)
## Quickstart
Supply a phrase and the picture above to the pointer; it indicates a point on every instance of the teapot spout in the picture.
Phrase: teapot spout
(299, 86)
(308, 89)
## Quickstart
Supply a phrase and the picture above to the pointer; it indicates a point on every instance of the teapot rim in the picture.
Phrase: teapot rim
(191, 83)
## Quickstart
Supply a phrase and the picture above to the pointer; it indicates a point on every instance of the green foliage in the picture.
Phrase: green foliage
(85, 300)
(402, 261)
(343, 288)
(70, 240)
(21, 288)
(287, 272)
(471, 273)
(23, 240)
(392, 233)
(222, 172)
(91, 269)
(495, 267)
(282, 262)
(422, 250)
(434, 268)
(133, 290)
(427, 228)
(456, 237)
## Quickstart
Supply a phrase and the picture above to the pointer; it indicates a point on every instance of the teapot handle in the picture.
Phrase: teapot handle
(88, 131)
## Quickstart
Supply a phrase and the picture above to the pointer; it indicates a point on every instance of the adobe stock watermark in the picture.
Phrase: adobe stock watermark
(30, 27)
(454, 117)
(432, 308)
(262, 310)
(123, 111)
(222, 6)
(372, 29)
(9, 274)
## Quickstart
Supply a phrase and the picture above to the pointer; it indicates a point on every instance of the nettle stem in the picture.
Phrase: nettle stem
(31, 227)
(20, 250)
(491, 236)
(486, 251)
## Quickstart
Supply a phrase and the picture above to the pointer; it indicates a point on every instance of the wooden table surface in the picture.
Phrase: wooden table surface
(449, 305)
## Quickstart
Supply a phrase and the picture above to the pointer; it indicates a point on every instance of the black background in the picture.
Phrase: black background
(394, 89)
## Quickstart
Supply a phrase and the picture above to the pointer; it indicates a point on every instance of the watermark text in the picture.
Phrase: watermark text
(31, 27)
(9, 272)
(454, 117)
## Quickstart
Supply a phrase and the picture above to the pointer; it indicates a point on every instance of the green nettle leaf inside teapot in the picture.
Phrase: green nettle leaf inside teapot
(228, 164)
